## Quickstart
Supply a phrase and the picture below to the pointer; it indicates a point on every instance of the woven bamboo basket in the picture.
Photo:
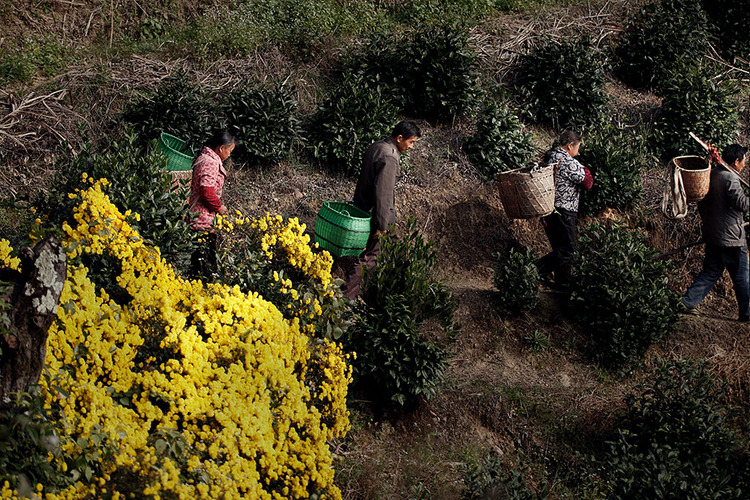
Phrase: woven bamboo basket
(342, 228)
(696, 176)
(527, 194)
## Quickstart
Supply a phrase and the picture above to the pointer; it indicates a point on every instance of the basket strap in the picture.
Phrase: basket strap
(674, 190)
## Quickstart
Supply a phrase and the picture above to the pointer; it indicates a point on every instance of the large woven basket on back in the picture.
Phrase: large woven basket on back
(696, 176)
(342, 228)
(527, 194)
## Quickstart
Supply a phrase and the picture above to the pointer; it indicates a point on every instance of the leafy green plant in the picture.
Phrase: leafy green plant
(264, 122)
(493, 479)
(675, 441)
(729, 20)
(399, 295)
(357, 113)
(139, 182)
(661, 33)
(562, 83)
(695, 102)
(620, 293)
(537, 341)
(614, 157)
(499, 143)
(178, 107)
(431, 72)
(517, 279)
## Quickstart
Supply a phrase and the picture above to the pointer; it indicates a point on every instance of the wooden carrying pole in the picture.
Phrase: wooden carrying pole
(721, 162)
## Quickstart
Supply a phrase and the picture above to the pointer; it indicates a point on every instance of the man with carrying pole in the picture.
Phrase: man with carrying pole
(721, 212)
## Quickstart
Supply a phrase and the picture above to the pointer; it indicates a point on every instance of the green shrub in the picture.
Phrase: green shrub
(729, 21)
(439, 12)
(614, 157)
(517, 279)
(620, 293)
(399, 295)
(139, 182)
(695, 102)
(562, 83)
(431, 71)
(499, 143)
(357, 113)
(659, 34)
(264, 122)
(178, 107)
(492, 479)
(676, 442)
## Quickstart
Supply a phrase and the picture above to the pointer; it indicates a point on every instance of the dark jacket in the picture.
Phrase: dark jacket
(722, 210)
(377, 180)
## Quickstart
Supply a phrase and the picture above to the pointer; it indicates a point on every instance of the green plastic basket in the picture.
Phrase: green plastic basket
(172, 147)
(342, 229)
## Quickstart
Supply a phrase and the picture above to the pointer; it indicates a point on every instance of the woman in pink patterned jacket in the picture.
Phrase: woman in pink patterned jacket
(208, 180)
(205, 199)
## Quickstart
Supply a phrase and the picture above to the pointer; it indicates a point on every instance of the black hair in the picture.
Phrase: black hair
(566, 137)
(220, 138)
(732, 153)
(406, 129)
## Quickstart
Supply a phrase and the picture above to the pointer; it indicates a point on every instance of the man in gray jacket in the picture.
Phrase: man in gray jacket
(375, 194)
(722, 213)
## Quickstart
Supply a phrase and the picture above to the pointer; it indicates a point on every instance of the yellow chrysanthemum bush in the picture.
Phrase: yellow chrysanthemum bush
(274, 257)
(181, 389)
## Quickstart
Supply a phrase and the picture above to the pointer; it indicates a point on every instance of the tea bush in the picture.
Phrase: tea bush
(178, 107)
(562, 83)
(517, 279)
(658, 35)
(264, 121)
(431, 71)
(729, 21)
(676, 440)
(399, 295)
(614, 157)
(499, 143)
(211, 387)
(139, 183)
(620, 293)
(493, 479)
(695, 102)
(357, 113)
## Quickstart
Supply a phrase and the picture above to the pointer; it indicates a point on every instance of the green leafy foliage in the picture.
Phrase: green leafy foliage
(656, 37)
(43, 56)
(139, 182)
(676, 441)
(729, 20)
(431, 72)
(178, 107)
(399, 295)
(695, 102)
(437, 12)
(620, 293)
(493, 479)
(357, 113)
(517, 279)
(499, 143)
(614, 157)
(562, 83)
(264, 121)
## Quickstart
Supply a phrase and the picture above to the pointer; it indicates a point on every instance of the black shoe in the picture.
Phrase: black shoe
(683, 309)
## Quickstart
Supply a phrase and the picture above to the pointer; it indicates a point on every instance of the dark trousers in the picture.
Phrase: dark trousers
(734, 260)
(203, 261)
(352, 286)
(560, 227)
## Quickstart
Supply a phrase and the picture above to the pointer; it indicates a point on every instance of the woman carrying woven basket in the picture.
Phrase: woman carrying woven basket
(206, 187)
(560, 225)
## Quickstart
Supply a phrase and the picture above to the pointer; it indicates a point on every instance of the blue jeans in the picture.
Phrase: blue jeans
(734, 260)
